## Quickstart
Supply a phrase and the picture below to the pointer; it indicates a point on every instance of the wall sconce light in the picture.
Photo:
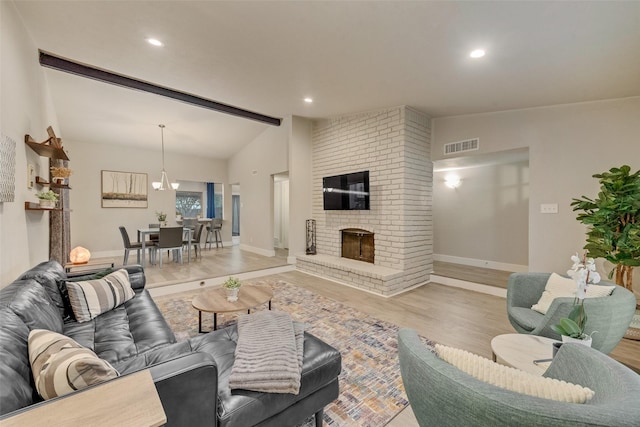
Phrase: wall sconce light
(452, 181)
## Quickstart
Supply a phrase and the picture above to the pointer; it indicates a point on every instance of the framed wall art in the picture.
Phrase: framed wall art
(124, 189)
(7, 169)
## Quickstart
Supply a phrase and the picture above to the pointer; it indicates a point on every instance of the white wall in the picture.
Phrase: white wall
(485, 219)
(567, 145)
(281, 213)
(26, 108)
(95, 227)
(252, 168)
(300, 184)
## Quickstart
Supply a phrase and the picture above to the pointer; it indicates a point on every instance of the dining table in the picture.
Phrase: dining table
(144, 232)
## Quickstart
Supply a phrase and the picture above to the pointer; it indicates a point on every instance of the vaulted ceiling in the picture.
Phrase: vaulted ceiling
(348, 56)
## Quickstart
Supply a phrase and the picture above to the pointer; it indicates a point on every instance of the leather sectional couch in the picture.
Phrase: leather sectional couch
(191, 376)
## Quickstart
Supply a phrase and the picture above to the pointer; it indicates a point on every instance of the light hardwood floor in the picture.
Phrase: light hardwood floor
(485, 276)
(448, 315)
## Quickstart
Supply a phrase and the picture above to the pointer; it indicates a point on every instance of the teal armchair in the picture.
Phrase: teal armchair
(610, 316)
(441, 395)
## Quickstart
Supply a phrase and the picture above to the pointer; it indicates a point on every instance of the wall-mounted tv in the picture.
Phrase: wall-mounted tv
(346, 192)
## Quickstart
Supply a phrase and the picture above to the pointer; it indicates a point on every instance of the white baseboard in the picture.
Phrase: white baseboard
(471, 286)
(495, 265)
(259, 251)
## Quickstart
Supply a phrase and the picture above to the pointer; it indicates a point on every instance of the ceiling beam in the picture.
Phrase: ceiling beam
(61, 64)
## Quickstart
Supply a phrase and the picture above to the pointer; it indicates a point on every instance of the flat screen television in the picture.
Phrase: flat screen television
(346, 192)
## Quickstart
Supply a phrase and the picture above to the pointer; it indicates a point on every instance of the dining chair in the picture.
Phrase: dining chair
(154, 237)
(195, 241)
(136, 246)
(170, 238)
(214, 232)
(189, 222)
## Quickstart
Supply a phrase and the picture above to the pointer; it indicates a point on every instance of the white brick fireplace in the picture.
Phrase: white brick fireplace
(394, 146)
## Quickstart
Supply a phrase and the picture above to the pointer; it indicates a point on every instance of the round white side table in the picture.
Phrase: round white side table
(520, 350)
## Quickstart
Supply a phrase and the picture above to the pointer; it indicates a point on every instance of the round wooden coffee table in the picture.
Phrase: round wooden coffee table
(215, 301)
(521, 350)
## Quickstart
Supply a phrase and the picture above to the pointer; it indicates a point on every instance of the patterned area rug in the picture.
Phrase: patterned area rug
(371, 390)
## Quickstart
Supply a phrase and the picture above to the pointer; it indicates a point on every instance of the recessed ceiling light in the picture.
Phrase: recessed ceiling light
(308, 100)
(155, 42)
(478, 53)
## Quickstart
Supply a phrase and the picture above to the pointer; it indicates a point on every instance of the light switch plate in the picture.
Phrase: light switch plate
(549, 208)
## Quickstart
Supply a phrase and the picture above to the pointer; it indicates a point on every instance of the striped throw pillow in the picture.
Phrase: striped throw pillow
(61, 366)
(91, 298)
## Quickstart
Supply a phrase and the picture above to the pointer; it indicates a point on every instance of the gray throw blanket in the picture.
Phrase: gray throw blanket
(269, 352)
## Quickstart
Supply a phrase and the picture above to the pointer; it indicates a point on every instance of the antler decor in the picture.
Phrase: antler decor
(50, 147)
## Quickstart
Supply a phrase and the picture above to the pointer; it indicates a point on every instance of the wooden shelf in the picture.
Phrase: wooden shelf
(45, 149)
(43, 182)
(32, 206)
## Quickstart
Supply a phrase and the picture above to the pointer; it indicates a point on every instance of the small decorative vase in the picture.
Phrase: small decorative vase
(586, 341)
(232, 294)
(58, 180)
(47, 204)
(163, 223)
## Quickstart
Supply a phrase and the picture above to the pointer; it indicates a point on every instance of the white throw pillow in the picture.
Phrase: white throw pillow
(557, 286)
(513, 379)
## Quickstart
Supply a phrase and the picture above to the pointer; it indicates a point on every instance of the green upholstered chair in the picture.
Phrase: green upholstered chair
(610, 316)
(441, 395)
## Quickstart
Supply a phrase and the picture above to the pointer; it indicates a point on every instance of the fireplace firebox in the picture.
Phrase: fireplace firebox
(358, 244)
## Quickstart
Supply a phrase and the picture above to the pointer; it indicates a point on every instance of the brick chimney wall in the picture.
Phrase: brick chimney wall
(394, 146)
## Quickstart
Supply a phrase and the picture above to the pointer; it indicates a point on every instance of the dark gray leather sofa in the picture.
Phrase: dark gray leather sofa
(191, 376)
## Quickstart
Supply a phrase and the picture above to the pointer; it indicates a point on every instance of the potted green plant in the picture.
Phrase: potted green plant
(162, 218)
(47, 199)
(613, 219)
(232, 287)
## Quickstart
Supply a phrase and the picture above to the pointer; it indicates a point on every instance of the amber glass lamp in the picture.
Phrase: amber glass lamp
(79, 255)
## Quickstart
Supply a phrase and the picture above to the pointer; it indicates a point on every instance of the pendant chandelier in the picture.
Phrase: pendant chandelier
(160, 185)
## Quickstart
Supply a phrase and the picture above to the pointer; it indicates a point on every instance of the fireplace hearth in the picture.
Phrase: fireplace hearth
(358, 244)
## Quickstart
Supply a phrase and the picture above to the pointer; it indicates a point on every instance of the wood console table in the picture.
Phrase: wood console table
(90, 266)
(129, 401)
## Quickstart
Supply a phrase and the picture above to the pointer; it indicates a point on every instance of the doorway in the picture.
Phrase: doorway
(481, 211)
(281, 211)
(235, 214)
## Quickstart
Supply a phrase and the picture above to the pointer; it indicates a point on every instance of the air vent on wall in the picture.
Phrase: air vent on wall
(460, 146)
